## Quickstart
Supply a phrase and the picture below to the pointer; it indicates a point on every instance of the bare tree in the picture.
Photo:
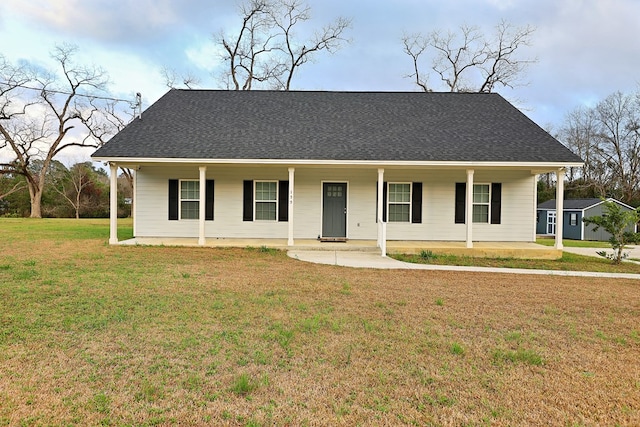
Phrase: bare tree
(580, 134)
(246, 53)
(619, 146)
(38, 113)
(469, 61)
(104, 119)
(265, 50)
(174, 80)
(414, 46)
(78, 179)
(607, 137)
(287, 16)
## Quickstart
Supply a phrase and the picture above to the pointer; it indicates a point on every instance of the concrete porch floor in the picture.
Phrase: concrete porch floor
(481, 249)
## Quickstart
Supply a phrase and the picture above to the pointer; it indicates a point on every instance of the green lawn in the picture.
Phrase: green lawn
(568, 262)
(93, 334)
(38, 229)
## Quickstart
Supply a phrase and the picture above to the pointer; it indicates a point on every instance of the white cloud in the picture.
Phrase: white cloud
(99, 19)
(205, 55)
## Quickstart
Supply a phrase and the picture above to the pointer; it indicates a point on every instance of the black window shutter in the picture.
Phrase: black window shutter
(416, 203)
(377, 201)
(283, 201)
(496, 201)
(461, 190)
(384, 201)
(208, 204)
(247, 205)
(173, 200)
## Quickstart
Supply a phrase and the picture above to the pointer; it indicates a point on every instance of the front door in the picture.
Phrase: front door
(551, 222)
(334, 210)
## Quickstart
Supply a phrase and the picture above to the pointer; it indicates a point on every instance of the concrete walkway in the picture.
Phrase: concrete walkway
(373, 260)
(631, 251)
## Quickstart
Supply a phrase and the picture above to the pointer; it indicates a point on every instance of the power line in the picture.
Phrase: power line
(107, 98)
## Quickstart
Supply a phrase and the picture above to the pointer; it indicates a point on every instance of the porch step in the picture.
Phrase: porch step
(336, 246)
(333, 239)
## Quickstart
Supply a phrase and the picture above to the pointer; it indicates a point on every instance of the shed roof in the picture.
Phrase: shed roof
(350, 126)
(577, 204)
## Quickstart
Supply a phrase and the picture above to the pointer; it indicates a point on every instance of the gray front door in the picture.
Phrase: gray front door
(334, 209)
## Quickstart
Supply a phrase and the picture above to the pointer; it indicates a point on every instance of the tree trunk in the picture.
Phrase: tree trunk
(77, 206)
(36, 188)
(36, 203)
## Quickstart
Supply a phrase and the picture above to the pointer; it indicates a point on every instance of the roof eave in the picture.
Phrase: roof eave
(537, 167)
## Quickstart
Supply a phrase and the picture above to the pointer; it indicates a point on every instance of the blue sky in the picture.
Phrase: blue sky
(586, 49)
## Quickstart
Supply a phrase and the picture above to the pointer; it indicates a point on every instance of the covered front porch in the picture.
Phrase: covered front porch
(522, 250)
(365, 225)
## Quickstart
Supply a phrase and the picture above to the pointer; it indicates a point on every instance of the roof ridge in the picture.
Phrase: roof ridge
(333, 91)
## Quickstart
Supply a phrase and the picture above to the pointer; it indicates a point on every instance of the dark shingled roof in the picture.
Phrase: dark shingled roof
(570, 204)
(375, 126)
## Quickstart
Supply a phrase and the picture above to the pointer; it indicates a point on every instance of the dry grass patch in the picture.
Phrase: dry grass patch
(92, 334)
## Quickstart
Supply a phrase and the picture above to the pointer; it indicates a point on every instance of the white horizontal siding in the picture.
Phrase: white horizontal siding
(517, 216)
(437, 203)
(361, 202)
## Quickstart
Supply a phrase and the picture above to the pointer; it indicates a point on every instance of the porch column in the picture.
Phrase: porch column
(535, 206)
(559, 207)
(382, 235)
(134, 189)
(469, 206)
(202, 205)
(290, 208)
(113, 204)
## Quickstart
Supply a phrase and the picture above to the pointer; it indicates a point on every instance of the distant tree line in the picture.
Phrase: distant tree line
(79, 191)
(607, 137)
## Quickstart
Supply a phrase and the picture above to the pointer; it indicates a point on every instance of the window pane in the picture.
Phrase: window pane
(190, 190)
(399, 213)
(399, 193)
(266, 190)
(480, 213)
(266, 211)
(190, 210)
(481, 193)
(334, 191)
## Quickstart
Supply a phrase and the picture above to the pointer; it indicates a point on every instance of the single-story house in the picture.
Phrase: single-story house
(337, 166)
(573, 213)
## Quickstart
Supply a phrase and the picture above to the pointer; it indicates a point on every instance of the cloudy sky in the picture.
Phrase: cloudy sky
(586, 49)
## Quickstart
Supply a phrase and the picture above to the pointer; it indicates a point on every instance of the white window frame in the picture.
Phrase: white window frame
(389, 202)
(474, 203)
(256, 201)
(180, 200)
(573, 219)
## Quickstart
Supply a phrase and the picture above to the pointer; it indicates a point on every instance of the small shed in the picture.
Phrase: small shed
(574, 211)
